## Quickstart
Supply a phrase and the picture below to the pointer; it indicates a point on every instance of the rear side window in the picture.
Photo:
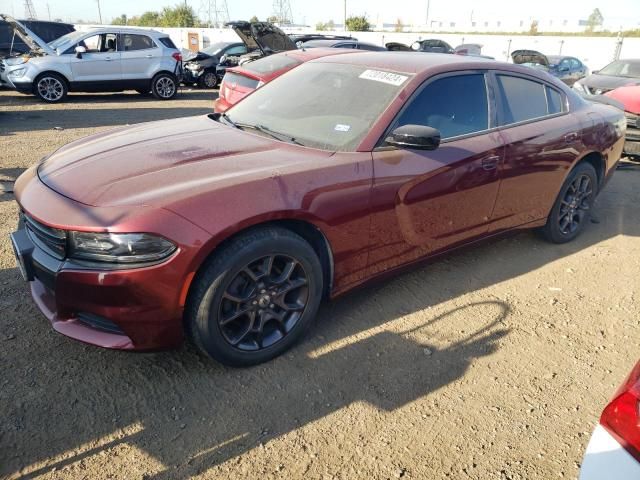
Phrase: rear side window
(132, 42)
(272, 63)
(554, 101)
(455, 105)
(240, 80)
(167, 42)
(522, 99)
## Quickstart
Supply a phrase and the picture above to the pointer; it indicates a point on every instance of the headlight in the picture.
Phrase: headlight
(119, 247)
(580, 88)
(194, 66)
(18, 72)
(16, 60)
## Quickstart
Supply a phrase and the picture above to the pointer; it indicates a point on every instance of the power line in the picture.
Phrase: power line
(216, 12)
(29, 10)
(282, 12)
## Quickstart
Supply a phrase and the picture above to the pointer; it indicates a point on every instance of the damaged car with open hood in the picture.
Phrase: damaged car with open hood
(259, 39)
(565, 68)
(104, 59)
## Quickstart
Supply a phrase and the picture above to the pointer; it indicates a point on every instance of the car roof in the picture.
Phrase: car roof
(142, 31)
(412, 62)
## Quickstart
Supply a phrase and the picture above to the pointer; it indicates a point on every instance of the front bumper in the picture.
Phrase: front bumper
(23, 83)
(191, 76)
(129, 308)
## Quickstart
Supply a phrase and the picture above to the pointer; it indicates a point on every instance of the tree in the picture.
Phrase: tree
(595, 20)
(181, 15)
(121, 20)
(399, 26)
(272, 19)
(533, 29)
(321, 26)
(254, 19)
(358, 24)
(147, 19)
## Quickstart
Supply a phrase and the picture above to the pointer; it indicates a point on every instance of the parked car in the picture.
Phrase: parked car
(432, 45)
(353, 43)
(613, 452)
(261, 39)
(629, 97)
(202, 68)
(232, 227)
(99, 60)
(619, 73)
(11, 44)
(300, 38)
(239, 82)
(567, 69)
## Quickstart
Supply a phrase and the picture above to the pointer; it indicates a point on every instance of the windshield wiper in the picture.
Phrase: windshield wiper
(266, 130)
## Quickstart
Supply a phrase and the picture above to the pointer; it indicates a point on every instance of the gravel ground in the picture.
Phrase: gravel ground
(492, 363)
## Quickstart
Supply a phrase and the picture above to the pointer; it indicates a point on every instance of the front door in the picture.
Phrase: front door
(427, 201)
(101, 62)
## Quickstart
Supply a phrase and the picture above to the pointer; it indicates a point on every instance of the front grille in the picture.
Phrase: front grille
(2, 67)
(52, 240)
(633, 120)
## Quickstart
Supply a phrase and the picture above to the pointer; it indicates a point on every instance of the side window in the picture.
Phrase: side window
(565, 64)
(521, 99)
(554, 101)
(575, 64)
(103, 43)
(455, 105)
(92, 43)
(136, 42)
(239, 50)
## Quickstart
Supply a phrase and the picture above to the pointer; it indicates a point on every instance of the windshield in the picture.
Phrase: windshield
(622, 68)
(554, 60)
(271, 63)
(72, 37)
(321, 105)
(215, 48)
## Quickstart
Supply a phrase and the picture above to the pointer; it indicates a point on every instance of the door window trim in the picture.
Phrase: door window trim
(491, 108)
(121, 43)
(499, 101)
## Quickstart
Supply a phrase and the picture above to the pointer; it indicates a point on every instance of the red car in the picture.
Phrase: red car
(630, 99)
(232, 227)
(239, 82)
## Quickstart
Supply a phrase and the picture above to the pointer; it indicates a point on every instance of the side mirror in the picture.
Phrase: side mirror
(223, 59)
(418, 137)
(80, 50)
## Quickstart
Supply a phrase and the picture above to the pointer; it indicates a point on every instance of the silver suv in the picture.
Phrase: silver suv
(99, 60)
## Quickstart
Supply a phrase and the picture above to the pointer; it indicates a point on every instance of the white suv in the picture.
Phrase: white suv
(99, 60)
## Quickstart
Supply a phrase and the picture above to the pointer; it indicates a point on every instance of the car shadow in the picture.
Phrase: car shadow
(7, 178)
(190, 414)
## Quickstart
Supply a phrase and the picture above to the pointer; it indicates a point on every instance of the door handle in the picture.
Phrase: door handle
(490, 163)
(571, 137)
(108, 59)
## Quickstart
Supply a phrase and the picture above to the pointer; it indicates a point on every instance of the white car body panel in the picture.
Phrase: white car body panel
(605, 459)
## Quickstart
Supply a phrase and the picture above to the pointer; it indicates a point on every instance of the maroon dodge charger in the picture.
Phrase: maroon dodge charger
(231, 228)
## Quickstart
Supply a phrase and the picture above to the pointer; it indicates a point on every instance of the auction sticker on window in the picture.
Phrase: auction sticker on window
(384, 77)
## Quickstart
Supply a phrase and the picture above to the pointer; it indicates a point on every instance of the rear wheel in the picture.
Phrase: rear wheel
(164, 86)
(255, 298)
(208, 80)
(50, 87)
(572, 209)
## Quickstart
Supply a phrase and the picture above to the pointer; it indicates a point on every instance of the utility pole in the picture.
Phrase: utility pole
(427, 17)
(48, 11)
(345, 15)
(99, 12)
(29, 10)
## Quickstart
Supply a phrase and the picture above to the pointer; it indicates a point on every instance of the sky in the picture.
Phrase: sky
(310, 12)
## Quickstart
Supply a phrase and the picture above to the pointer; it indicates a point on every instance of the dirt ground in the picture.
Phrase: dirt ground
(492, 363)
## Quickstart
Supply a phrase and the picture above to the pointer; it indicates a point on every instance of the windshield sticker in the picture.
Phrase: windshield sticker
(384, 77)
(342, 128)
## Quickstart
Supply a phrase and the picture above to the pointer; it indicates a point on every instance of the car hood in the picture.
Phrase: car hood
(628, 96)
(34, 42)
(263, 36)
(608, 82)
(529, 56)
(159, 162)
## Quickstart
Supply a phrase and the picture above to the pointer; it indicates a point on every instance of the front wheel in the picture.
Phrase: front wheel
(572, 208)
(50, 87)
(208, 80)
(164, 86)
(255, 298)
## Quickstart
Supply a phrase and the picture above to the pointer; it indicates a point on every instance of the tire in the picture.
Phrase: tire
(50, 87)
(208, 80)
(243, 308)
(572, 208)
(164, 86)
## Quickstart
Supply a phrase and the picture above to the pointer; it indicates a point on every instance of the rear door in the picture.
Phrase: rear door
(140, 56)
(541, 143)
(427, 201)
(101, 62)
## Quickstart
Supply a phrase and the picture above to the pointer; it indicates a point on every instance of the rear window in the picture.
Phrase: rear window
(271, 64)
(554, 101)
(136, 42)
(522, 99)
(167, 42)
(240, 80)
